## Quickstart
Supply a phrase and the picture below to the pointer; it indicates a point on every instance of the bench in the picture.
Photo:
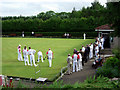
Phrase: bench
(12, 35)
(38, 35)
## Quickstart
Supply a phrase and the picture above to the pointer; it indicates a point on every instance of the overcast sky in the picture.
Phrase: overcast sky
(34, 7)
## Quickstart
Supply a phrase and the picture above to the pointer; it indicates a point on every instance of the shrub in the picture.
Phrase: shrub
(56, 85)
(69, 86)
(112, 62)
(21, 85)
(90, 80)
(116, 51)
(111, 68)
(99, 82)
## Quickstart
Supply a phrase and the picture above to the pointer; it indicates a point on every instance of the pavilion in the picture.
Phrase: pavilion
(105, 31)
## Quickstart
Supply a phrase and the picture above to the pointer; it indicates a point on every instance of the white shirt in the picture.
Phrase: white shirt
(50, 53)
(84, 35)
(98, 39)
(32, 32)
(19, 50)
(102, 40)
(97, 48)
(75, 57)
(39, 53)
(99, 45)
(25, 52)
(65, 34)
(92, 46)
(80, 56)
(91, 49)
(96, 42)
(69, 59)
(31, 52)
(83, 49)
(68, 34)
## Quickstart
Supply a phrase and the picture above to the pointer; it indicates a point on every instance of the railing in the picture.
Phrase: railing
(62, 69)
(37, 71)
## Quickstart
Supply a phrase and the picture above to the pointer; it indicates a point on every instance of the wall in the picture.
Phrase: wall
(116, 42)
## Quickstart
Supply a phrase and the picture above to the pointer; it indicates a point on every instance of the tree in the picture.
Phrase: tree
(113, 16)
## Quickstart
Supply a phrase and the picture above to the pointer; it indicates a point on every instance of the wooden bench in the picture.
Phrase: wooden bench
(12, 35)
(38, 35)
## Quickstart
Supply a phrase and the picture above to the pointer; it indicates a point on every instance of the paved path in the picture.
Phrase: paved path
(81, 75)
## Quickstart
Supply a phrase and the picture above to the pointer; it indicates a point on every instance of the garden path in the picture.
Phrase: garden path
(87, 71)
(81, 75)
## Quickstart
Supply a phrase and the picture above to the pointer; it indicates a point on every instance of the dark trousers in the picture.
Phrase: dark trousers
(83, 61)
(99, 50)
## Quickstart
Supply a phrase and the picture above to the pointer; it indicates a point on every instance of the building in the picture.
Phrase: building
(105, 31)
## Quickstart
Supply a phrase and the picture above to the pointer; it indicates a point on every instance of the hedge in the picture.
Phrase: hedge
(59, 34)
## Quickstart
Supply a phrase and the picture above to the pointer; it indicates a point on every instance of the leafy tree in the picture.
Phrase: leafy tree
(113, 13)
(85, 19)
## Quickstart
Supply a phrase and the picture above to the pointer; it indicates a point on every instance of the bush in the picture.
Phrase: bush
(112, 62)
(56, 85)
(99, 82)
(21, 85)
(111, 68)
(116, 52)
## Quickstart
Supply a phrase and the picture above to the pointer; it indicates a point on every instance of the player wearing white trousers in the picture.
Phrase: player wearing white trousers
(96, 50)
(50, 56)
(102, 42)
(83, 49)
(40, 56)
(19, 53)
(91, 51)
(79, 62)
(75, 57)
(31, 52)
(25, 53)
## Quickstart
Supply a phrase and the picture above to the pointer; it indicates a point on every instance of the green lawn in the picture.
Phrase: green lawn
(60, 47)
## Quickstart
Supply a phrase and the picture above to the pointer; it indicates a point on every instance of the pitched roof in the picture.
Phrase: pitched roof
(104, 27)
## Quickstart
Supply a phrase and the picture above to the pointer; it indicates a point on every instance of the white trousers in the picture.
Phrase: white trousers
(20, 57)
(22, 35)
(32, 58)
(79, 65)
(78, 62)
(40, 56)
(75, 65)
(96, 53)
(50, 61)
(91, 54)
(102, 46)
(26, 59)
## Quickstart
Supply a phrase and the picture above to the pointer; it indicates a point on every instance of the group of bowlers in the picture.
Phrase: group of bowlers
(77, 60)
(31, 53)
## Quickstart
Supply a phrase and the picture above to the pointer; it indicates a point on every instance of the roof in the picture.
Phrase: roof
(105, 27)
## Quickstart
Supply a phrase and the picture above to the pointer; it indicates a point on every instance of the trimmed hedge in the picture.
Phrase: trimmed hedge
(58, 34)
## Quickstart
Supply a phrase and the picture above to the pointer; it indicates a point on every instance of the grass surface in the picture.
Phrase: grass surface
(60, 47)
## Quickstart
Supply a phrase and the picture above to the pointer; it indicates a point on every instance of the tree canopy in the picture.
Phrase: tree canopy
(85, 19)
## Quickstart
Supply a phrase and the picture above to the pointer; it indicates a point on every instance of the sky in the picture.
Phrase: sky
(34, 7)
